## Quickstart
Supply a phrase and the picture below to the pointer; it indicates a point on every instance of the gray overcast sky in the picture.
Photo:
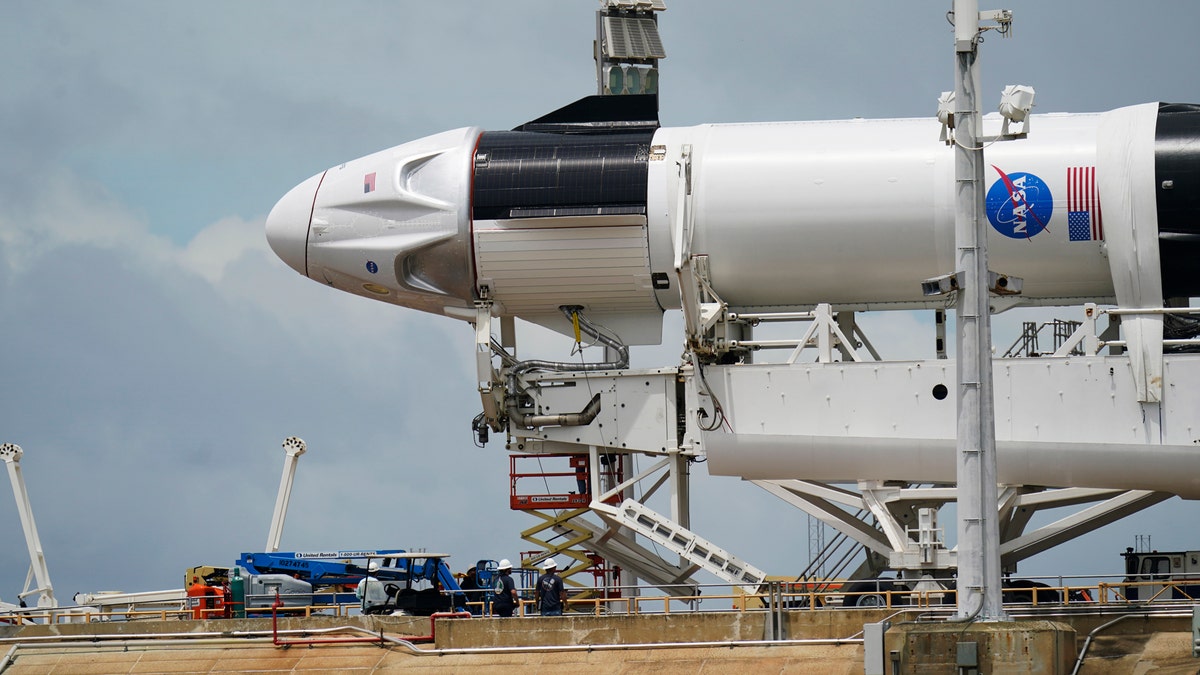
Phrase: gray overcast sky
(155, 353)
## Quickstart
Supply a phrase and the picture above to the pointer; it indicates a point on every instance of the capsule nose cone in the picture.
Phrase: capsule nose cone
(288, 222)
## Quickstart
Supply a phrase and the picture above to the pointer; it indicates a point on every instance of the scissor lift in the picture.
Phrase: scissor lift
(558, 495)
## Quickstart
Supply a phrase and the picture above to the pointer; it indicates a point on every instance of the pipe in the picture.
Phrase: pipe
(310, 641)
(1088, 641)
(89, 641)
(153, 637)
(178, 638)
(589, 412)
(238, 637)
(575, 312)
(432, 622)
(275, 639)
(127, 644)
(432, 637)
(182, 637)
(8, 658)
(580, 419)
(555, 649)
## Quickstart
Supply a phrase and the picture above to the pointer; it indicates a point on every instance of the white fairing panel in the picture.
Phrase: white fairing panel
(1126, 177)
(533, 266)
(857, 213)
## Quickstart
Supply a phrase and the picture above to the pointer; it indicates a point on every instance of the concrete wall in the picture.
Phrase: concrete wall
(647, 628)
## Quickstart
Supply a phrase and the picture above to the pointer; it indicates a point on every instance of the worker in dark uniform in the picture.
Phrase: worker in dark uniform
(581, 475)
(550, 594)
(470, 590)
(504, 599)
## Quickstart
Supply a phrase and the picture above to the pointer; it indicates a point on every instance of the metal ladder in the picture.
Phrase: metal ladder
(682, 541)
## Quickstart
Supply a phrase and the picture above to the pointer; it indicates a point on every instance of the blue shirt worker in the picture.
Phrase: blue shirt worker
(370, 591)
(504, 591)
(550, 594)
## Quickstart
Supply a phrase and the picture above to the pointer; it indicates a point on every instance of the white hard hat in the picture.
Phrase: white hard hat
(504, 564)
(549, 564)
(373, 567)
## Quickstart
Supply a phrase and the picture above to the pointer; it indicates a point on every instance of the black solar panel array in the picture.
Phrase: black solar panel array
(526, 175)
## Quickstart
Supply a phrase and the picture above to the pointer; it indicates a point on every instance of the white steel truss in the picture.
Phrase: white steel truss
(853, 441)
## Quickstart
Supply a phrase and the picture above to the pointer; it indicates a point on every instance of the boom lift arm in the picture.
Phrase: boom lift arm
(293, 447)
(11, 454)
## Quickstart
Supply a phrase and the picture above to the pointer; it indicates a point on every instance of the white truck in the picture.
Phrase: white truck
(1161, 575)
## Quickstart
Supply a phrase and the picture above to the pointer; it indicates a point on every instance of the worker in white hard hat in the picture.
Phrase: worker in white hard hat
(549, 593)
(370, 592)
(504, 591)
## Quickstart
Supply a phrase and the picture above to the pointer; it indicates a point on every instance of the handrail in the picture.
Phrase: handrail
(796, 596)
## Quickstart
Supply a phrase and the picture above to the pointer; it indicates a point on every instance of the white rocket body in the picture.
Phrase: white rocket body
(596, 206)
(857, 213)
(854, 213)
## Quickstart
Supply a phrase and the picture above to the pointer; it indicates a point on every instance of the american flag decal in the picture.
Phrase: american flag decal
(369, 183)
(1083, 205)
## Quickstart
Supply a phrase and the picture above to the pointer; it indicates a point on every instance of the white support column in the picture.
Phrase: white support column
(609, 487)
(680, 496)
(978, 528)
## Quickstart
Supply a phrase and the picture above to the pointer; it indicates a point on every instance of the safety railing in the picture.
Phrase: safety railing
(793, 596)
(1087, 339)
(1183, 591)
(66, 615)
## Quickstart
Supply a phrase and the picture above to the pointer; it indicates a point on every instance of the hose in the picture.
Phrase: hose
(585, 416)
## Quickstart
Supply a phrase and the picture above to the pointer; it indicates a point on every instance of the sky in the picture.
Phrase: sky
(155, 353)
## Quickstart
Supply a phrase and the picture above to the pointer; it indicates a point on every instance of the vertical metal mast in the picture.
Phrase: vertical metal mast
(978, 530)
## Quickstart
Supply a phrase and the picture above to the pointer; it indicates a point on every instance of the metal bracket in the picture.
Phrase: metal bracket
(491, 389)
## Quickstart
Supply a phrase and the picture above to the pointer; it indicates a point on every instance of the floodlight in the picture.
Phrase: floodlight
(637, 5)
(633, 80)
(947, 283)
(945, 109)
(1016, 101)
(1004, 284)
(650, 81)
(614, 80)
(630, 79)
(945, 114)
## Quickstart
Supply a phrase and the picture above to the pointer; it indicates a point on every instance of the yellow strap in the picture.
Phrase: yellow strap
(575, 323)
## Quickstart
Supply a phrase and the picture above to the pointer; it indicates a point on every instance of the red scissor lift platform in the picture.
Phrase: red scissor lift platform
(533, 486)
(547, 489)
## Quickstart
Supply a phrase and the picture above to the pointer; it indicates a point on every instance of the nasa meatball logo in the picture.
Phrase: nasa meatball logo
(1019, 205)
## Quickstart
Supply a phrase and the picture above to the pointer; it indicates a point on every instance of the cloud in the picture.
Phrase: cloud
(155, 353)
(151, 385)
